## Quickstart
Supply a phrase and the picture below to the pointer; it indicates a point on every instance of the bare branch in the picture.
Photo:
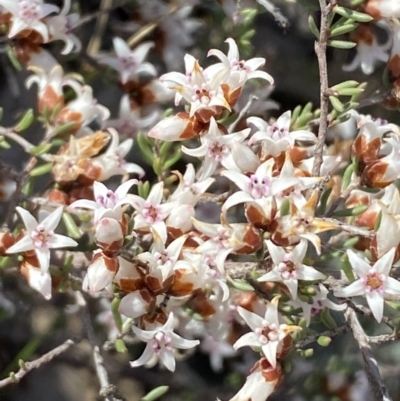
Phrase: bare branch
(378, 388)
(28, 366)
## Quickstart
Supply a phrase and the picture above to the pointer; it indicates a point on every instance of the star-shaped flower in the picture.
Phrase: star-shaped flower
(374, 281)
(160, 343)
(40, 237)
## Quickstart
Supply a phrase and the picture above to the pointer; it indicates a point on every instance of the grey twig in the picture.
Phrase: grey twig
(328, 333)
(107, 390)
(37, 363)
(378, 388)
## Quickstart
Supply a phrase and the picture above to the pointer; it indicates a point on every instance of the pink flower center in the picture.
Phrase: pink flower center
(287, 268)
(202, 94)
(41, 237)
(151, 212)
(259, 187)
(128, 62)
(161, 340)
(217, 150)
(108, 201)
(29, 11)
(277, 132)
(374, 282)
(240, 65)
(267, 332)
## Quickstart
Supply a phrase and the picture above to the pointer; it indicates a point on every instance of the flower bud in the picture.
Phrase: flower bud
(109, 235)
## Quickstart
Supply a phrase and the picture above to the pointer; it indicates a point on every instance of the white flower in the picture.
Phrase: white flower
(374, 281)
(40, 237)
(27, 14)
(129, 63)
(112, 161)
(107, 203)
(216, 148)
(319, 301)
(288, 267)
(369, 50)
(267, 333)
(277, 135)
(151, 212)
(240, 70)
(160, 343)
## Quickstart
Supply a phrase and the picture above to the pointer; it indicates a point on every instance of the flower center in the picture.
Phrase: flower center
(202, 94)
(221, 237)
(267, 332)
(151, 212)
(160, 341)
(107, 201)
(278, 132)
(239, 65)
(41, 237)
(128, 62)
(29, 11)
(259, 188)
(374, 281)
(287, 268)
(217, 150)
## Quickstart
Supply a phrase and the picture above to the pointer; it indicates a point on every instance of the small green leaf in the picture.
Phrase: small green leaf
(324, 341)
(25, 122)
(341, 30)
(355, 211)
(41, 170)
(41, 149)
(327, 319)
(13, 59)
(313, 27)
(350, 91)
(352, 15)
(348, 173)
(145, 147)
(173, 159)
(63, 129)
(241, 285)
(156, 393)
(341, 44)
(336, 104)
(345, 85)
(285, 208)
(72, 229)
(120, 346)
(115, 312)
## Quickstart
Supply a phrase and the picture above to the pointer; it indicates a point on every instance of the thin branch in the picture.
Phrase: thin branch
(378, 388)
(320, 50)
(328, 333)
(28, 366)
(107, 390)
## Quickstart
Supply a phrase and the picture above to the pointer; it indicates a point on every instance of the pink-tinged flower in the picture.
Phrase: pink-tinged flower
(201, 90)
(225, 239)
(112, 161)
(107, 203)
(160, 343)
(100, 273)
(130, 64)
(152, 212)
(163, 261)
(369, 50)
(130, 121)
(258, 188)
(240, 70)
(266, 332)
(319, 301)
(27, 14)
(216, 148)
(109, 235)
(374, 281)
(288, 267)
(61, 27)
(260, 383)
(277, 136)
(40, 237)
(189, 190)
